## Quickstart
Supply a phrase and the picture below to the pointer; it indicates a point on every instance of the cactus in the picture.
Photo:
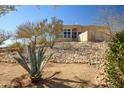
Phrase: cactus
(36, 63)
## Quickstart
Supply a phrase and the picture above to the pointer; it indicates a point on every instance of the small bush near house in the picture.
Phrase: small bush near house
(115, 61)
(14, 47)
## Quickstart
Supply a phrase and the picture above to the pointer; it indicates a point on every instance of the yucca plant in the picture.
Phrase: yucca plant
(36, 63)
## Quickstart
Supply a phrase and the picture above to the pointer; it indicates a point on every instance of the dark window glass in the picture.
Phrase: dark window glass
(69, 34)
(65, 34)
(79, 33)
(75, 35)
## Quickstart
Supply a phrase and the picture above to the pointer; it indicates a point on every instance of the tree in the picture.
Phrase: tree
(4, 9)
(4, 36)
(52, 30)
(111, 16)
(55, 28)
(42, 32)
(25, 31)
(29, 31)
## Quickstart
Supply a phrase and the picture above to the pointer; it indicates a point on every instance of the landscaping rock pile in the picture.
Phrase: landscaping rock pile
(8, 57)
(102, 76)
(70, 52)
(77, 52)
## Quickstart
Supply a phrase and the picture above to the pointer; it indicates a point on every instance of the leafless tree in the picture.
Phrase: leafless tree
(4, 36)
(4, 9)
(112, 17)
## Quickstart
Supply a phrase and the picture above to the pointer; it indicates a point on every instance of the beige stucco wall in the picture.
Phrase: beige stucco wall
(89, 33)
(98, 36)
(83, 36)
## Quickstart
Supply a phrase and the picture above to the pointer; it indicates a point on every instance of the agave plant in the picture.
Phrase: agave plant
(35, 65)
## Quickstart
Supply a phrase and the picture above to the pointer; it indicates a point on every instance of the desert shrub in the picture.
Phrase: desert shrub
(115, 61)
(16, 46)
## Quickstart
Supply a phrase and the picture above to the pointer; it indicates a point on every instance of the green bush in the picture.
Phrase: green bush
(115, 61)
(16, 45)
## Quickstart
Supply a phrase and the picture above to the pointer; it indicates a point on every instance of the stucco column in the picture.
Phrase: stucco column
(71, 33)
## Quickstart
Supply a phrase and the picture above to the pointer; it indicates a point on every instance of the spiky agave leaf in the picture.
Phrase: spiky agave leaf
(23, 63)
(44, 62)
(41, 56)
(32, 55)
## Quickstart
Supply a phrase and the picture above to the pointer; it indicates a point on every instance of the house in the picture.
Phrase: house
(84, 33)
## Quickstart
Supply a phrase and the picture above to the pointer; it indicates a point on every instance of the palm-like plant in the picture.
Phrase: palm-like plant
(36, 63)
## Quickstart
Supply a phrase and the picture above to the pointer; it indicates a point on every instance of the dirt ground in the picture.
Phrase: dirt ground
(55, 75)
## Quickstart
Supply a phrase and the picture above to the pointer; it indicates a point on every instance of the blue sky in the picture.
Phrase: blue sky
(71, 14)
(84, 15)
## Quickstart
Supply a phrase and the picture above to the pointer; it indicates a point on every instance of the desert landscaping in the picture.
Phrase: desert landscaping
(74, 64)
(59, 53)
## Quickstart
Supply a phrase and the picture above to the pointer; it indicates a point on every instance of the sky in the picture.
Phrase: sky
(83, 15)
(70, 14)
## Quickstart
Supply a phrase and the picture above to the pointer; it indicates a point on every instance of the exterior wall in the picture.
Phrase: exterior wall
(64, 39)
(61, 38)
(98, 36)
(107, 37)
(83, 36)
(88, 33)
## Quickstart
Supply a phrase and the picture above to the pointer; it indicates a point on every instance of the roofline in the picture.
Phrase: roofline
(86, 25)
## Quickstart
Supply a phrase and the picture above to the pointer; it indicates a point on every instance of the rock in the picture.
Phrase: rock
(25, 82)
(15, 84)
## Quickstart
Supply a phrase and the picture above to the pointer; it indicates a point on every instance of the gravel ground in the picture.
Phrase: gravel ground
(75, 52)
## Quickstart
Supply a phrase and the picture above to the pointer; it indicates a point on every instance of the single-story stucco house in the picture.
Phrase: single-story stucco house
(84, 33)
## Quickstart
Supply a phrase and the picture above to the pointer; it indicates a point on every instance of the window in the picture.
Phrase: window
(79, 33)
(69, 34)
(65, 34)
(75, 35)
